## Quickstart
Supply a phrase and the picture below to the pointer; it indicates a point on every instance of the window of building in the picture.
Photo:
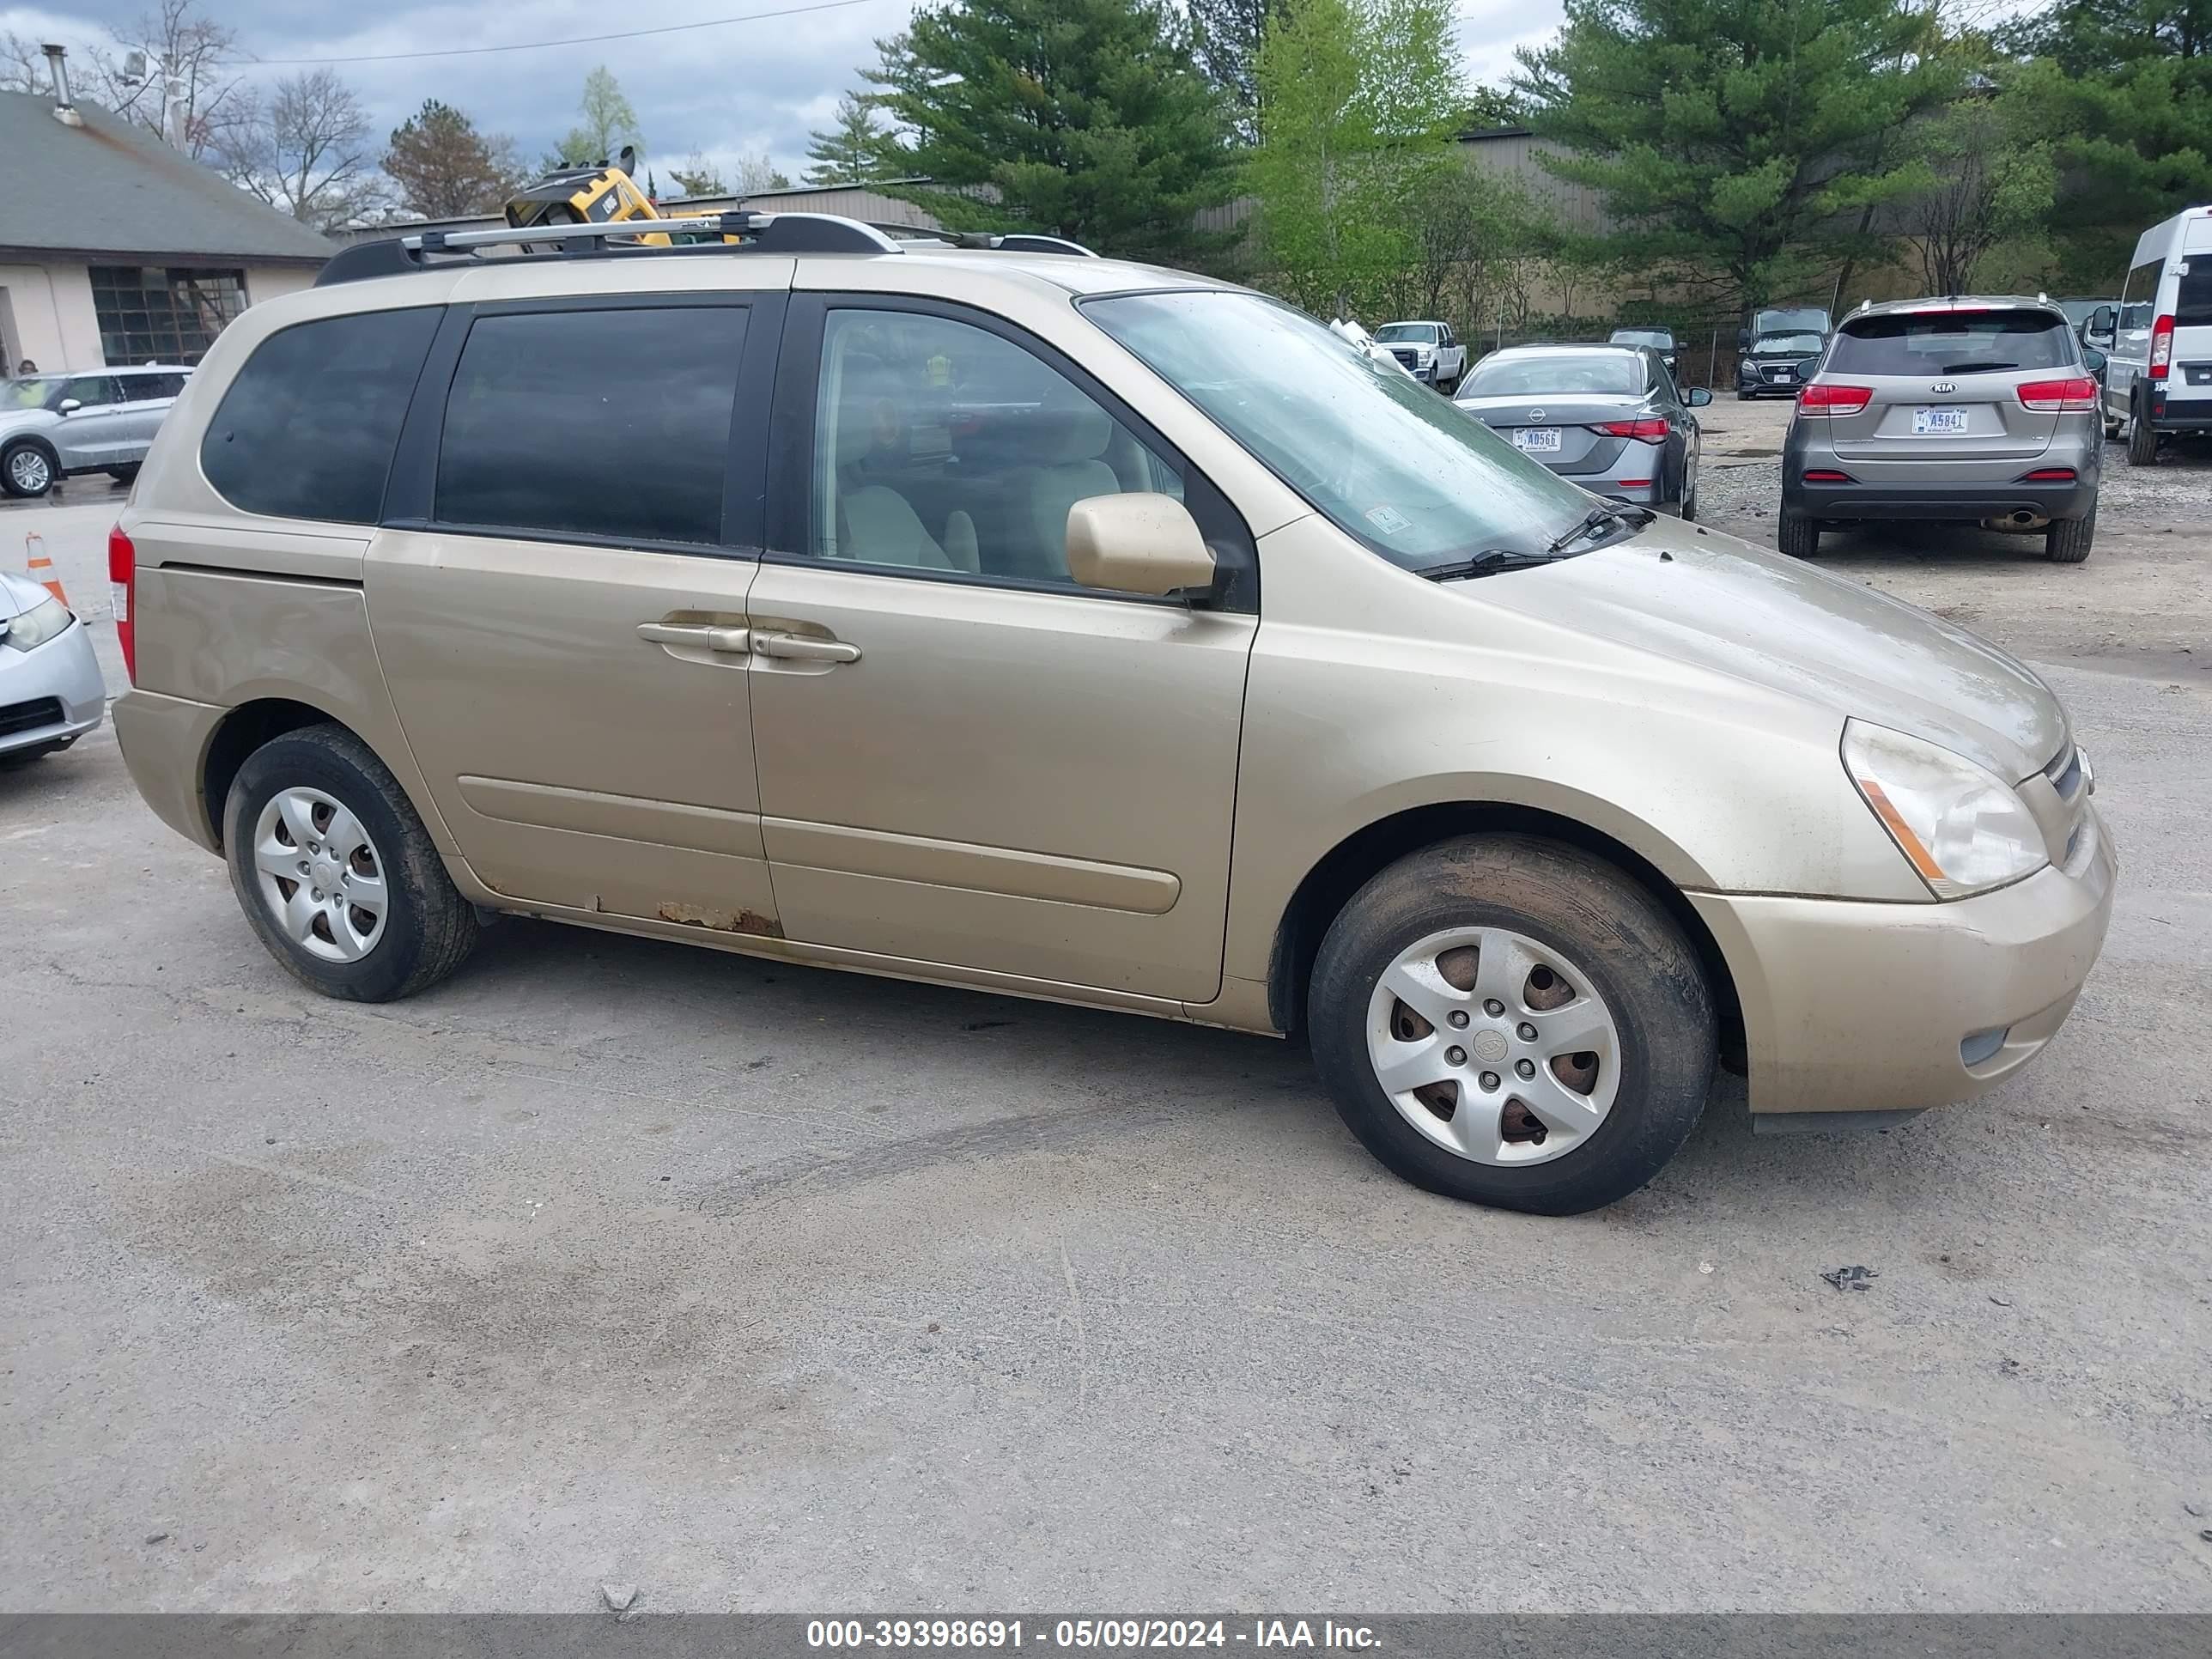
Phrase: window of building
(147, 314)
(308, 427)
(610, 424)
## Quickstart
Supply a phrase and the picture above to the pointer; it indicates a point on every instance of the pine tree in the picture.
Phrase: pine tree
(444, 168)
(1751, 143)
(851, 152)
(1227, 35)
(1087, 118)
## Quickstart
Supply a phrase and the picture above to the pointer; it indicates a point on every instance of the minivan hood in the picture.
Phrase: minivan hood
(1747, 612)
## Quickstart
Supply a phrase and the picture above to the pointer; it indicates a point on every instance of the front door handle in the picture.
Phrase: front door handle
(735, 640)
(805, 647)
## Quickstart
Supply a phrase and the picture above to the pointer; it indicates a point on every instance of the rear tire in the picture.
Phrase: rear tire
(1743, 396)
(422, 928)
(2067, 541)
(2142, 439)
(1797, 535)
(1689, 504)
(1563, 925)
(126, 476)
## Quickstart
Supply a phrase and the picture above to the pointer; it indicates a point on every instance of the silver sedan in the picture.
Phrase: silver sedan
(51, 690)
(1608, 417)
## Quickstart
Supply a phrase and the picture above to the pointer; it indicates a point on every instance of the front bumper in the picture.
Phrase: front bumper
(1849, 1006)
(60, 678)
(1893, 499)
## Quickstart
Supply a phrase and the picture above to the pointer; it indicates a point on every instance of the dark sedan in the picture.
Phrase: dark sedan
(1607, 416)
(1776, 365)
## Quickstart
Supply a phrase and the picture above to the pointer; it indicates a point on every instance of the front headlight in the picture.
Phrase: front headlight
(1964, 830)
(42, 622)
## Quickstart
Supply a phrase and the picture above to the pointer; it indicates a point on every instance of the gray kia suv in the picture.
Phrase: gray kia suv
(1961, 410)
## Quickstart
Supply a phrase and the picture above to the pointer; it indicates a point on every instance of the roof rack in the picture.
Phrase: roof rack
(1015, 241)
(762, 233)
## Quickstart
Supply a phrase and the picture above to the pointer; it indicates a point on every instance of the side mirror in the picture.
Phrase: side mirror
(2093, 361)
(1698, 397)
(1743, 339)
(2102, 319)
(69, 405)
(1138, 542)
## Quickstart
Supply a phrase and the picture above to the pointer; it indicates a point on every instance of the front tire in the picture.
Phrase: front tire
(26, 471)
(1797, 535)
(2067, 541)
(336, 873)
(1583, 1083)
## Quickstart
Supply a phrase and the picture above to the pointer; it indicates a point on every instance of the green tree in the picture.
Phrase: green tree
(443, 168)
(1990, 175)
(852, 151)
(1751, 143)
(1084, 118)
(2125, 87)
(1227, 35)
(608, 123)
(1358, 100)
(698, 176)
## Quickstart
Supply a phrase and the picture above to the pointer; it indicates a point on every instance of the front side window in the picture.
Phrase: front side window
(939, 446)
(1550, 373)
(1952, 343)
(1385, 459)
(92, 391)
(610, 424)
(308, 427)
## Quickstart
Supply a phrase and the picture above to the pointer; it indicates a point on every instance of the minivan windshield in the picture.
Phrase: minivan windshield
(1542, 374)
(1383, 457)
(1407, 333)
(1953, 342)
(30, 393)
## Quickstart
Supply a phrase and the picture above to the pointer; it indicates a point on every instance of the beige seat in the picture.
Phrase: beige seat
(1071, 469)
(876, 524)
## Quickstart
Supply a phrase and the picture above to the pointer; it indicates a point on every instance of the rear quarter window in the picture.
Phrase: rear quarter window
(307, 428)
(1951, 342)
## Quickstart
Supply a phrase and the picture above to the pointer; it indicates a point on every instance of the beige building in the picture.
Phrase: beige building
(115, 249)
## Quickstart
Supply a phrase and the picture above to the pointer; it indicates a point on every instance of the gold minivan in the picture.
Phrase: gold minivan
(1019, 619)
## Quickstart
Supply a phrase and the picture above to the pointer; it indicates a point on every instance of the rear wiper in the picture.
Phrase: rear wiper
(1488, 562)
(1976, 366)
(1598, 518)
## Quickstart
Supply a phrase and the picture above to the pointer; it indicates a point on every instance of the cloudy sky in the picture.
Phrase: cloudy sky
(738, 88)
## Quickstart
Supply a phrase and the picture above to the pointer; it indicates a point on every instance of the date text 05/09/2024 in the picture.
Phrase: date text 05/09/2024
(1107, 1634)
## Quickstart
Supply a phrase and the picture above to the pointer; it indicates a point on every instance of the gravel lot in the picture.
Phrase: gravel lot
(759, 1287)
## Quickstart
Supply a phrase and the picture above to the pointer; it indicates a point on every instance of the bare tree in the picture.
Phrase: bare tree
(305, 148)
(183, 90)
(758, 173)
(22, 66)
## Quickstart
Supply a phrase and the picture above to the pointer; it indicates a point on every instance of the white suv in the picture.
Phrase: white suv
(102, 421)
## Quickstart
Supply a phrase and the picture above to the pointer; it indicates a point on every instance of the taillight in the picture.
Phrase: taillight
(2161, 347)
(122, 576)
(1651, 429)
(2058, 397)
(1820, 399)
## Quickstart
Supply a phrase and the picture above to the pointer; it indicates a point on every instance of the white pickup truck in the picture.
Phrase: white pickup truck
(1430, 352)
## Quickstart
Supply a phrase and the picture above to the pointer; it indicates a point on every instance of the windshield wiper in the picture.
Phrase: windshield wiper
(1488, 562)
(1598, 518)
(1976, 366)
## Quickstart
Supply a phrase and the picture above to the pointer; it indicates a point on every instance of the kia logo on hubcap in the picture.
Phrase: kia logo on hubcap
(1944, 385)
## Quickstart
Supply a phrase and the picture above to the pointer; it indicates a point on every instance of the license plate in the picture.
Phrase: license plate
(1777, 374)
(1536, 440)
(1926, 421)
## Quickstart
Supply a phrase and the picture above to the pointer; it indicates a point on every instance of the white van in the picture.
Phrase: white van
(2158, 377)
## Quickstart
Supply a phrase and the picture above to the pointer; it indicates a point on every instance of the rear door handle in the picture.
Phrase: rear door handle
(805, 647)
(735, 640)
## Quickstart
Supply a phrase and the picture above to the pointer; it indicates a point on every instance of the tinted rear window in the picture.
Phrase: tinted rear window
(2192, 305)
(1555, 372)
(604, 423)
(1940, 342)
(307, 428)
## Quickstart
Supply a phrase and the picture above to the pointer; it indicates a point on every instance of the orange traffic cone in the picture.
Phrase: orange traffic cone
(41, 567)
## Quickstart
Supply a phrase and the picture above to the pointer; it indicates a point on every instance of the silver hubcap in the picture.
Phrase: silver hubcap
(320, 876)
(1493, 1046)
(28, 468)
